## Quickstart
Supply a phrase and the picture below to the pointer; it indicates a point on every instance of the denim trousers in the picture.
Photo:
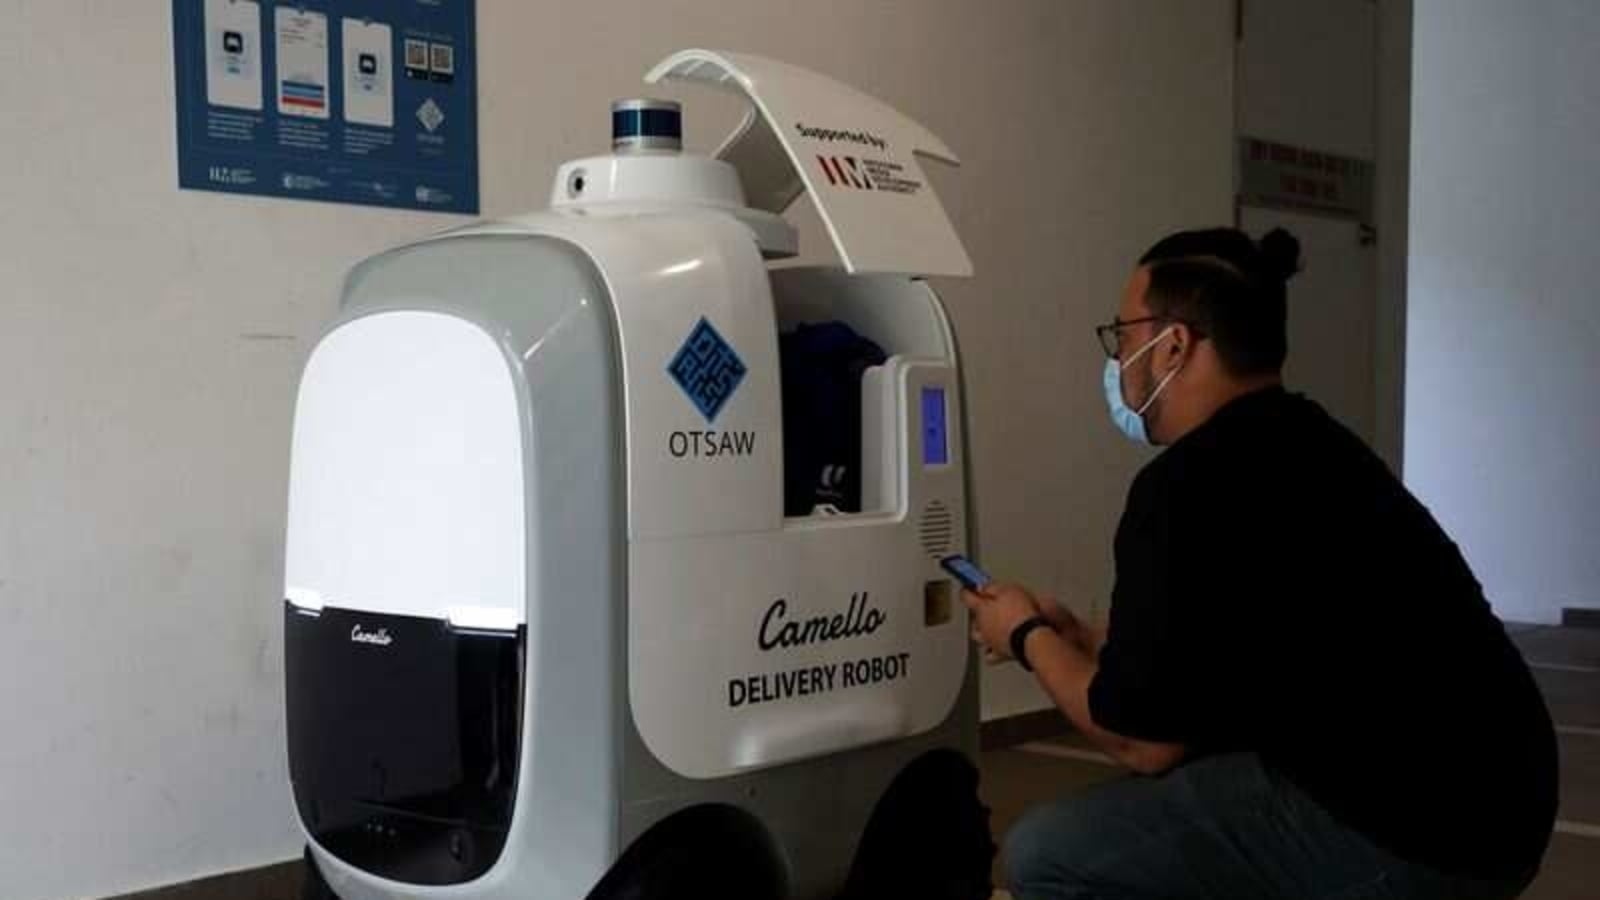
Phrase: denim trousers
(1224, 827)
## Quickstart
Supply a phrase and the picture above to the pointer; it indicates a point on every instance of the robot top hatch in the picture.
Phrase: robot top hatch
(542, 593)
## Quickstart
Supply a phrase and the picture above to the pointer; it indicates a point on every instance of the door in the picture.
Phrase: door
(1306, 77)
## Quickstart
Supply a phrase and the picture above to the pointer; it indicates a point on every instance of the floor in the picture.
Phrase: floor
(1566, 662)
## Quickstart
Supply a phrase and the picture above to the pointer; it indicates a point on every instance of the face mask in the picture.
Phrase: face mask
(1131, 421)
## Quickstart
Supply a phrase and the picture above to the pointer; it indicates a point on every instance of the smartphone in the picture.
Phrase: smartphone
(967, 572)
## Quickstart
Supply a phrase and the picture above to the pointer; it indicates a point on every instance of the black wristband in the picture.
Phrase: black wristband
(1019, 639)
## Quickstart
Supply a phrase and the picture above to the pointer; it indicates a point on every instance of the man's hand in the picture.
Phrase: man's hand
(996, 611)
(1064, 660)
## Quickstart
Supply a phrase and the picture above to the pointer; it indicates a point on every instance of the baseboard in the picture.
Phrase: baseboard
(1580, 617)
(998, 734)
(280, 881)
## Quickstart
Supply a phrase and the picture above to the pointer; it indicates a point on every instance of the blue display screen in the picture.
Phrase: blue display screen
(935, 436)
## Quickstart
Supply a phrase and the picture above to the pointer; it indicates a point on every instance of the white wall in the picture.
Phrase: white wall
(150, 340)
(1502, 366)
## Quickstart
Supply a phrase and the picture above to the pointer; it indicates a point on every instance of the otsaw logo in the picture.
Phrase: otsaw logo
(707, 369)
(845, 171)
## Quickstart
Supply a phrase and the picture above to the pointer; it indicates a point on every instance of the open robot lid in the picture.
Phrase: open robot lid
(856, 156)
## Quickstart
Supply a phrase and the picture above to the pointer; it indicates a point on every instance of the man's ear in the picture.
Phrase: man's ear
(1182, 341)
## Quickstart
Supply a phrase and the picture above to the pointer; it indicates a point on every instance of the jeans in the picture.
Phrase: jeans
(1217, 828)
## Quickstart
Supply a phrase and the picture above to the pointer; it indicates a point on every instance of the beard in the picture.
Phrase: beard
(1138, 382)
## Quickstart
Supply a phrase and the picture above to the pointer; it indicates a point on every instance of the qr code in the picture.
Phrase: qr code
(444, 59)
(416, 54)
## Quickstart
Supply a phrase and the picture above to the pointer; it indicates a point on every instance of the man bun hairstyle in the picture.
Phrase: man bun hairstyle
(1280, 255)
(1229, 288)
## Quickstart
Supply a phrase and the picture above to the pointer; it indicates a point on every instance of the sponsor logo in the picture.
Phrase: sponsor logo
(226, 175)
(846, 171)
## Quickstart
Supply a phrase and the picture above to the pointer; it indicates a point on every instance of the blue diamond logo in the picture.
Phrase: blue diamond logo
(707, 369)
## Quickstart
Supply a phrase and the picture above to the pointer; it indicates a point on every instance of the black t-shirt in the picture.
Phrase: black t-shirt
(1280, 591)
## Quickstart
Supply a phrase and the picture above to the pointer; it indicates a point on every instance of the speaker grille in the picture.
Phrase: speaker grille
(937, 529)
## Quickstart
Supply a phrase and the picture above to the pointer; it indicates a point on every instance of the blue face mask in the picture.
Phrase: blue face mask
(1128, 420)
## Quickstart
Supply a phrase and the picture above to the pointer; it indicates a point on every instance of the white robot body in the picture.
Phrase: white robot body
(541, 590)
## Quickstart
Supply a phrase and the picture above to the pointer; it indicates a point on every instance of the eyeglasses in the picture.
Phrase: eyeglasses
(1109, 332)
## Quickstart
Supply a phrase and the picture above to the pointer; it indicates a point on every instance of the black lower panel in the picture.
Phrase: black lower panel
(706, 851)
(929, 836)
(404, 736)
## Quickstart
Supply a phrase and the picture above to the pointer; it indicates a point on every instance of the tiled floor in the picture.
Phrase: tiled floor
(1567, 664)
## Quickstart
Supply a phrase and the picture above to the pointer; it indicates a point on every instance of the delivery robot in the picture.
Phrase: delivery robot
(548, 630)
